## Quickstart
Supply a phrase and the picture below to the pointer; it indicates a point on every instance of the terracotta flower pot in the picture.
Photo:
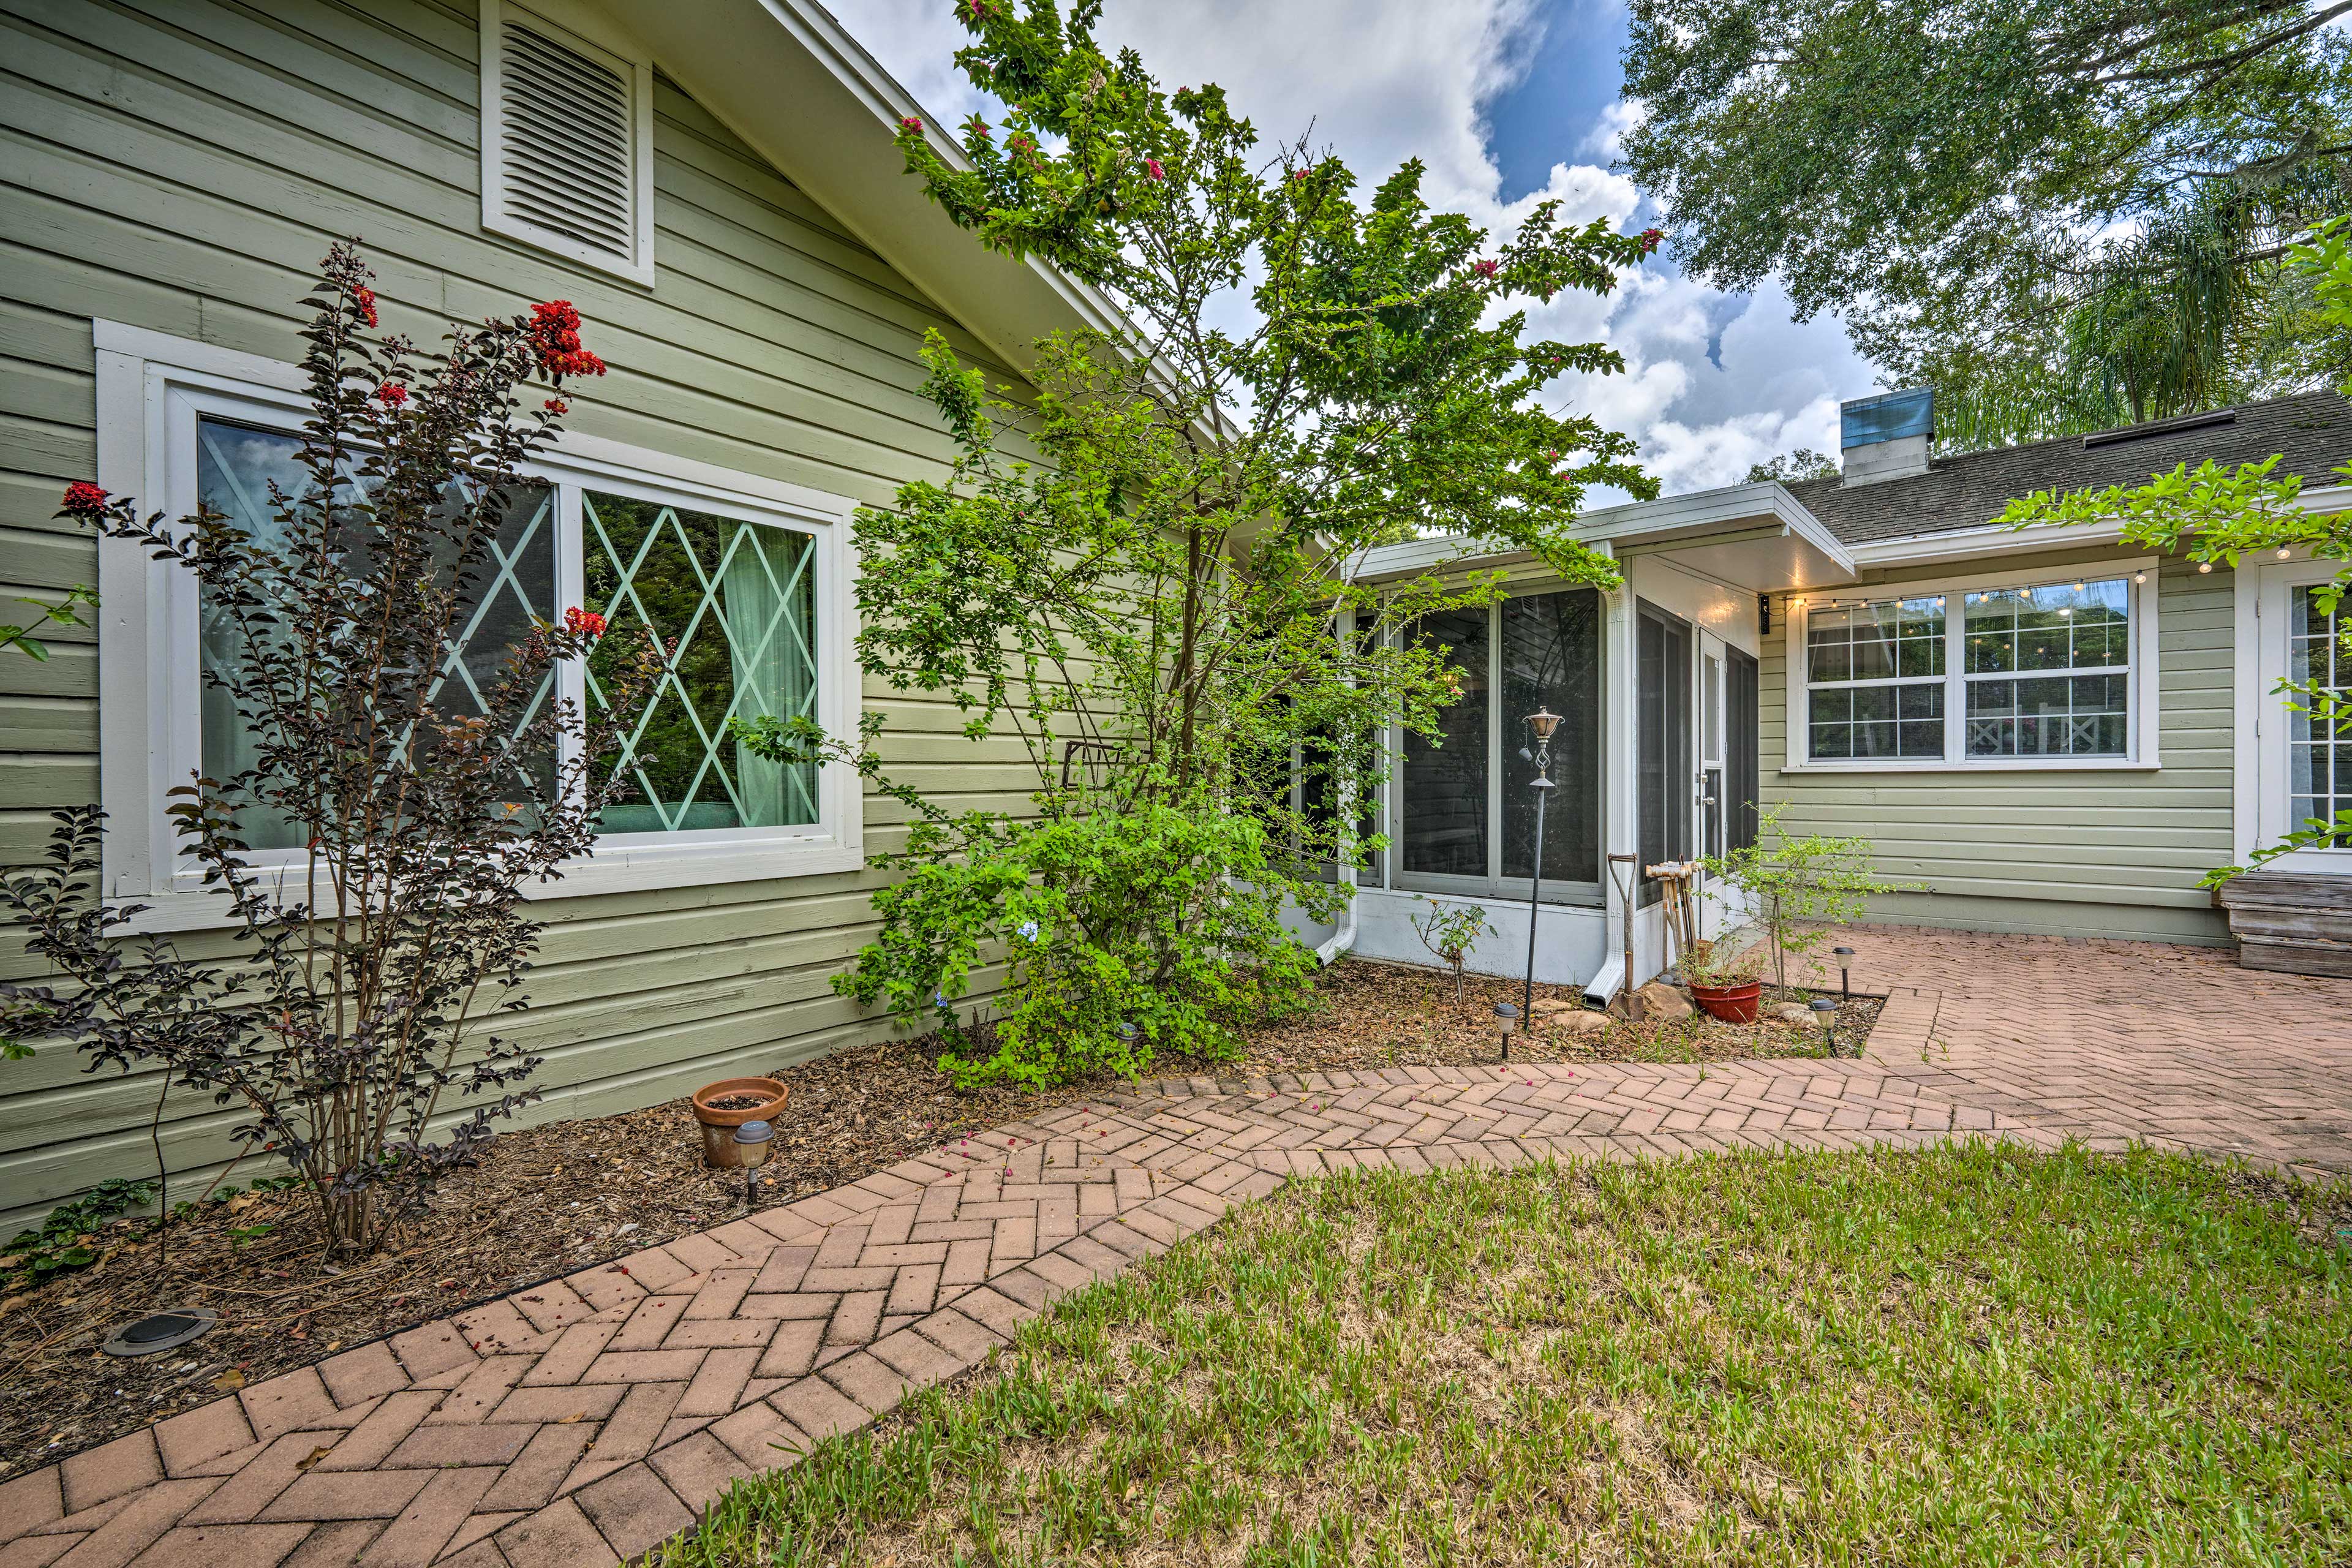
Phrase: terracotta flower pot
(720, 1150)
(1733, 1004)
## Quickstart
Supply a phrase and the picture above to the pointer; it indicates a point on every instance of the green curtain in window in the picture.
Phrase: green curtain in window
(768, 604)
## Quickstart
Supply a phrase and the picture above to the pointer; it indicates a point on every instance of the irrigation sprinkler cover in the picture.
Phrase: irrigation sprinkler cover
(161, 1332)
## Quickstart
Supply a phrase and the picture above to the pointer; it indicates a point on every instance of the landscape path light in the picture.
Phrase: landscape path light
(754, 1142)
(1826, 1011)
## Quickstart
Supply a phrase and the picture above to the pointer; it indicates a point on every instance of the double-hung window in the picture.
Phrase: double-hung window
(2040, 672)
(744, 581)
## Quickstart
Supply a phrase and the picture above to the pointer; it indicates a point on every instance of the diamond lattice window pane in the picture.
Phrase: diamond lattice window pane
(733, 603)
(236, 467)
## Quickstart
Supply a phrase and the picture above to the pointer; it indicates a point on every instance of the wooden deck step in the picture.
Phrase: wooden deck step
(2294, 923)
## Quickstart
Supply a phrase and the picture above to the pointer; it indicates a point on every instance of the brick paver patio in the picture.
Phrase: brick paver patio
(581, 1421)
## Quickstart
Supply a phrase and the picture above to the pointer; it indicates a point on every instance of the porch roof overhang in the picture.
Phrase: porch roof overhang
(1756, 537)
(800, 90)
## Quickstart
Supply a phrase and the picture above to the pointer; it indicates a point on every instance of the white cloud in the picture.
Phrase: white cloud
(1713, 381)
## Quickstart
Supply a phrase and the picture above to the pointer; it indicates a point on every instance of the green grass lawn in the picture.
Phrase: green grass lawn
(1967, 1355)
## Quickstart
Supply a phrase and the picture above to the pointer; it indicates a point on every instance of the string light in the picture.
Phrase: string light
(2204, 566)
(2284, 553)
(2139, 576)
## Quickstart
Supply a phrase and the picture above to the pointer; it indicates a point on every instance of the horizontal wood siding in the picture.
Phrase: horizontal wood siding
(2088, 853)
(181, 166)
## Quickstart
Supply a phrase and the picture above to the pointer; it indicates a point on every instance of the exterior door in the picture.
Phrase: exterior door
(2302, 771)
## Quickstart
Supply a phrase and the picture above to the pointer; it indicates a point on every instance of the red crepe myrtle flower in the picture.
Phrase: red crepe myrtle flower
(911, 123)
(392, 394)
(556, 405)
(555, 340)
(976, 127)
(1151, 167)
(584, 622)
(1649, 238)
(1298, 174)
(363, 298)
(1485, 268)
(83, 500)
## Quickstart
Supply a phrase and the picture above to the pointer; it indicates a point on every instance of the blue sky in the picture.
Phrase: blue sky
(1506, 101)
(1571, 80)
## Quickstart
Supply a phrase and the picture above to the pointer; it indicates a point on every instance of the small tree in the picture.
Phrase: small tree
(369, 965)
(1798, 888)
(1450, 931)
(1140, 565)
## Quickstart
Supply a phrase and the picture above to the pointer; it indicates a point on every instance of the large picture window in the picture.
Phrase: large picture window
(2026, 674)
(745, 580)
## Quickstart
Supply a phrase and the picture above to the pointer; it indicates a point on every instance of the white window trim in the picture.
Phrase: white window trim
(2261, 816)
(561, 16)
(2144, 754)
(149, 385)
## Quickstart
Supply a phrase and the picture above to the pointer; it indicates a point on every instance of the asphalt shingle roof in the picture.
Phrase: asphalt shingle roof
(2312, 430)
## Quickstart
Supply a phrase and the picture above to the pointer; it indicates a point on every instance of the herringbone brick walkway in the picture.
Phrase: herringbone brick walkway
(581, 1421)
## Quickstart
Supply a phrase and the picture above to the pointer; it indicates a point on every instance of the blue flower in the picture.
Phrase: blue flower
(1028, 931)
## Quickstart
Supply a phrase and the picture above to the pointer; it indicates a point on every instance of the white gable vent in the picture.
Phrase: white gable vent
(567, 141)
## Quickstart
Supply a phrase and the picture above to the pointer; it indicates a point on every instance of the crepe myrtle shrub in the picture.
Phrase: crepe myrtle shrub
(351, 1020)
(1139, 567)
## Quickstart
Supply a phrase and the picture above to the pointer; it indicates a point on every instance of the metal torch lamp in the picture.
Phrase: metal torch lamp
(1844, 956)
(1544, 723)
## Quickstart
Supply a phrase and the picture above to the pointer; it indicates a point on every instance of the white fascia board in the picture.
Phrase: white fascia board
(1678, 519)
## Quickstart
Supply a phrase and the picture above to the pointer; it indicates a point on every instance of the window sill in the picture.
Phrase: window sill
(1994, 765)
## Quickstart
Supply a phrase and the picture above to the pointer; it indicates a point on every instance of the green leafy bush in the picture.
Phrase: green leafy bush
(1126, 934)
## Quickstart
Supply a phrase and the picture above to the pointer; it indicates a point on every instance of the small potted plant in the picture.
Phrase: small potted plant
(726, 1105)
(1729, 988)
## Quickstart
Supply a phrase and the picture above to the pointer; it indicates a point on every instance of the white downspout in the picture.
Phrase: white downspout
(1345, 937)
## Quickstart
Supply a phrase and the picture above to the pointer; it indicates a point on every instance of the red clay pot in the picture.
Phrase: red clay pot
(720, 1150)
(1733, 1004)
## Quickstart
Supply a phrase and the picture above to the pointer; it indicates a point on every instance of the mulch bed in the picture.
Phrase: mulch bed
(551, 1200)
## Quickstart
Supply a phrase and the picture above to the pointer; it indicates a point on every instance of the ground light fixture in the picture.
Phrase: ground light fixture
(1826, 1011)
(1506, 1020)
(754, 1142)
(1545, 724)
(1845, 976)
(159, 1332)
